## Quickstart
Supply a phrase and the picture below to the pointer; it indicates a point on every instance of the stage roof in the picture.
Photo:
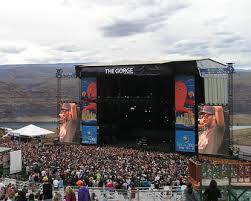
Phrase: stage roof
(144, 68)
(124, 63)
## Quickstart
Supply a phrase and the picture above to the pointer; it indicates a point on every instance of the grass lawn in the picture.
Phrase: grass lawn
(242, 119)
(242, 137)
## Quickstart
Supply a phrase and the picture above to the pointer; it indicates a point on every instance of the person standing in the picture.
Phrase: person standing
(212, 126)
(69, 194)
(212, 193)
(31, 197)
(47, 190)
(68, 122)
(189, 193)
(83, 192)
(57, 197)
(55, 184)
(1, 184)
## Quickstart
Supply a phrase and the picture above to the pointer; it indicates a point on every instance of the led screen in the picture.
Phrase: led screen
(213, 130)
(68, 122)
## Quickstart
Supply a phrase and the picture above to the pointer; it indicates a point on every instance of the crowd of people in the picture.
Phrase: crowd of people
(60, 166)
(101, 166)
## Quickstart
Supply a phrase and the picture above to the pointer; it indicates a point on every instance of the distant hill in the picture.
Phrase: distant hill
(242, 92)
(31, 91)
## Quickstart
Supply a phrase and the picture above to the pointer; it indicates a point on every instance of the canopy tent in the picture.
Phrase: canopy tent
(4, 150)
(31, 131)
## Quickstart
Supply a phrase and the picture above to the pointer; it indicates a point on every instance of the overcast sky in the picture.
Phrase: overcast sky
(53, 31)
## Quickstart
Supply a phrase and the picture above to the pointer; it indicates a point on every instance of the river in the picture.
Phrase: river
(17, 125)
(53, 125)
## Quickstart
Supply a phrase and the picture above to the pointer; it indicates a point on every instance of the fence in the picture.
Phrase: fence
(174, 193)
(168, 193)
(244, 156)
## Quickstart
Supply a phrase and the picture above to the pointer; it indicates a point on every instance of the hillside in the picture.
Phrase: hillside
(31, 91)
(242, 93)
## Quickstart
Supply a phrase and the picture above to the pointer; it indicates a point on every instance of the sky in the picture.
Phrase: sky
(103, 31)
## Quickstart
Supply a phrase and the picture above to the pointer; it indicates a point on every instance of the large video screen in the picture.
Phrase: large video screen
(213, 132)
(89, 100)
(68, 119)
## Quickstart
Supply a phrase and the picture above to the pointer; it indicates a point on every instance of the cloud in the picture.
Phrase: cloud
(232, 39)
(227, 46)
(68, 48)
(124, 28)
(222, 33)
(11, 49)
(215, 21)
(104, 31)
(246, 49)
(231, 44)
(65, 3)
(197, 48)
(149, 16)
(3, 59)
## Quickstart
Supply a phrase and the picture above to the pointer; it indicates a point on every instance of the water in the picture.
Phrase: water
(240, 127)
(53, 125)
(16, 125)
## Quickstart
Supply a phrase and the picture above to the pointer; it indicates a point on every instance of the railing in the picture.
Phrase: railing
(174, 193)
(227, 174)
(32, 186)
(168, 193)
(244, 156)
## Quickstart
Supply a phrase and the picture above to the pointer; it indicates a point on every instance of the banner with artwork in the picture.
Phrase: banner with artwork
(89, 134)
(184, 102)
(185, 141)
(89, 100)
